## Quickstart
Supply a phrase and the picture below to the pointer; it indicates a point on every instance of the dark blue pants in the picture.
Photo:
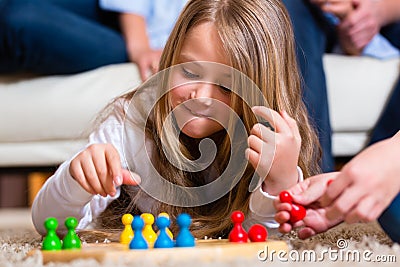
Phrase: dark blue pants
(389, 121)
(57, 36)
(312, 39)
(390, 220)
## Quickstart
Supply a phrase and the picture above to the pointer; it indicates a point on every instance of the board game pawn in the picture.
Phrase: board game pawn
(163, 240)
(127, 234)
(238, 234)
(184, 237)
(71, 239)
(258, 233)
(138, 241)
(51, 241)
(298, 212)
(148, 232)
(169, 233)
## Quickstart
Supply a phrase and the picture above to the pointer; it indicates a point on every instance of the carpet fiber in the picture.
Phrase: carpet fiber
(365, 239)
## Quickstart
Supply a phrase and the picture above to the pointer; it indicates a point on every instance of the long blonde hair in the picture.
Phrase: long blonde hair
(258, 40)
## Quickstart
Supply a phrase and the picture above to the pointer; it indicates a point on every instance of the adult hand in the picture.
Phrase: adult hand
(147, 62)
(339, 8)
(307, 193)
(358, 28)
(366, 185)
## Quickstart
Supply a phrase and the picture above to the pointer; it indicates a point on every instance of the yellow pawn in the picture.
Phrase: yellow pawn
(127, 234)
(148, 232)
(169, 233)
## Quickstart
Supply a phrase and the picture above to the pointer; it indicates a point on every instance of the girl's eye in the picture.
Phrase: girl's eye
(188, 74)
(225, 89)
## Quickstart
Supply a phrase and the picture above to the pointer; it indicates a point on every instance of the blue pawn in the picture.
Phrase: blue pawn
(138, 241)
(185, 237)
(163, 240)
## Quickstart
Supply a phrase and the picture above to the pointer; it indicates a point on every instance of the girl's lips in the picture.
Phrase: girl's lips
(195, 113)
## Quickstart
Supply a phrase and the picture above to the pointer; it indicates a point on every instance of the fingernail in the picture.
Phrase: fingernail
(118, 180)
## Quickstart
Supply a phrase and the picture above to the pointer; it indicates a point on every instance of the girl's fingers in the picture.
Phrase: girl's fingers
(285, 228)
(253, 157)
(91, 176)
(306, 232)
(255, 143)
(292, 123)
(103, 173)
(114, 165)
(79, 176)
(263, 132)
(272, 117)
(130, 178)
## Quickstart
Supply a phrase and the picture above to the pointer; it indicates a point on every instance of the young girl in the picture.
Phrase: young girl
(224, 63)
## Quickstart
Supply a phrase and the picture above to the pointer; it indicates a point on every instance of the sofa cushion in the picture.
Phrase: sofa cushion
(358, 89)
(43, 118)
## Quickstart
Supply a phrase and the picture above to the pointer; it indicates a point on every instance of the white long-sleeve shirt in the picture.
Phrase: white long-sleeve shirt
(61, 196)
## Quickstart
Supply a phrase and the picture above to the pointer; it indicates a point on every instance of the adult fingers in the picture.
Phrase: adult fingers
(338, 186)
(344, 203)
(362, 211)
(312, 189)
(144, 70)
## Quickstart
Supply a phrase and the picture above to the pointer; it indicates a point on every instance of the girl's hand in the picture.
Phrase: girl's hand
(366, 185)
(98, 170)
(274, 155)
(307, 193)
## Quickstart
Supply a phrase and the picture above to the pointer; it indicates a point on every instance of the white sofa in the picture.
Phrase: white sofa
(44, 120)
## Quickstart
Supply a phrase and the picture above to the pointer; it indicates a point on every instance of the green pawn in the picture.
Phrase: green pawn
(71, 239)
(51, 241)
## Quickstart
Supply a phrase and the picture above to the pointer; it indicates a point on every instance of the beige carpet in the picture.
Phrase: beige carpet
(361, 239)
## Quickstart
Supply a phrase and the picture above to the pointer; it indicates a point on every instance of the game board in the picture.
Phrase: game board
(210, 250)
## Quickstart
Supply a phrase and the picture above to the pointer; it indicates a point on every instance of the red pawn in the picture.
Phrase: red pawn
(237, 234)
(258, 233)
(285, 197)
(297, 213)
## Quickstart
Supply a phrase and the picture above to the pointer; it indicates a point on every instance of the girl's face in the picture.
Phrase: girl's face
(200, 96)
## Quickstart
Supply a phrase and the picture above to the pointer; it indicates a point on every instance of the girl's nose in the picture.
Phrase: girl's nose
(203, 93)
